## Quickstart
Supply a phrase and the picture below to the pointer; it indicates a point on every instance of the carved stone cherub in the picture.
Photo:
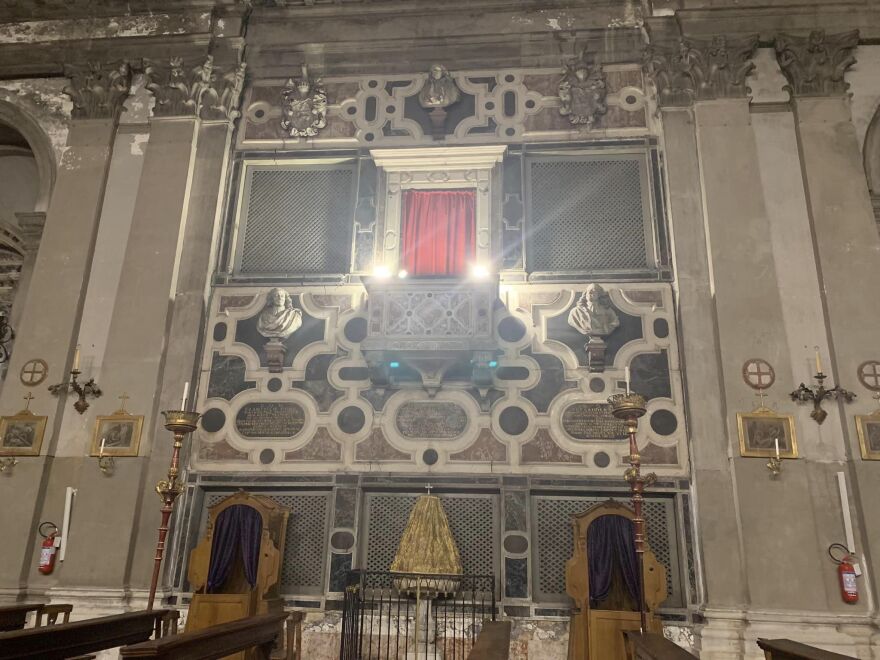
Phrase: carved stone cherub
(279, 318)
(593, 314)
(440, 90)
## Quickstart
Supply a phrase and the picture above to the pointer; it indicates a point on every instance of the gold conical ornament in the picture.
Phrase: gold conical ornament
(427, 546)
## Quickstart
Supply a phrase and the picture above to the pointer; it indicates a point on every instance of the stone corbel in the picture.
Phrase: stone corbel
(700, 69)
(204, 90)
(98, 90)
(815, 65)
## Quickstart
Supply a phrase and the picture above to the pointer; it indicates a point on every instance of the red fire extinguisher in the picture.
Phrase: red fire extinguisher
(47, 548)
(846, 573)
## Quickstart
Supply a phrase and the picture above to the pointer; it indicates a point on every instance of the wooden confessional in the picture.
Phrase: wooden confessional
(597, 630)
(235, 598)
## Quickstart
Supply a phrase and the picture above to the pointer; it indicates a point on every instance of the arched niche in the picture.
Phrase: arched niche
(13, 121)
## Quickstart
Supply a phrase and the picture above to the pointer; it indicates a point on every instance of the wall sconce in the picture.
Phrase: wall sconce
(7, 463)
(775, 465)
(89, 388)
(106, 463)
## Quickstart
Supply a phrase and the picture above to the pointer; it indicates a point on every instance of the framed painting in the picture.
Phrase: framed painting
(868, 427)
(759, 431)
(119, 434)
(22, 434)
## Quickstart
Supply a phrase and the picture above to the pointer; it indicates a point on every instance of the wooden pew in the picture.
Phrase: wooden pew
(785, 649)
(259, 632)
(13, 617)
(651, 646)
(493, 642)
(81, 637)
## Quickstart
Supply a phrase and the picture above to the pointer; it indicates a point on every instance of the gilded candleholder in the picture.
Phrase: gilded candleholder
(818, 394)
(89, 388)
(775, 466)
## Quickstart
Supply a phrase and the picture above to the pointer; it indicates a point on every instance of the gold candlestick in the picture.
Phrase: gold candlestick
(629, 407)
(179, 422)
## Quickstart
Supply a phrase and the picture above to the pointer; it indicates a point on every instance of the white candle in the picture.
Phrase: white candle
(76, 359)
(818, 362)
(185, 395)
(776, 441)
(626, 376)
(103, 440)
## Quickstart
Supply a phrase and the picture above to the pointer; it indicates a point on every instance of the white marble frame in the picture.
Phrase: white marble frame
(436, 168)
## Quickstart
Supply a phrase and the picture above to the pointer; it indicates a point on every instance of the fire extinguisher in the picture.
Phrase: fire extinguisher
(47, 548)
(846, 573)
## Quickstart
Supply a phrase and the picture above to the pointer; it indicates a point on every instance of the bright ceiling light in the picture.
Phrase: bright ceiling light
(381, 272)
(479, 271)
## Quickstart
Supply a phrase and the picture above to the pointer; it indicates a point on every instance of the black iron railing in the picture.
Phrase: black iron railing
(409, 616)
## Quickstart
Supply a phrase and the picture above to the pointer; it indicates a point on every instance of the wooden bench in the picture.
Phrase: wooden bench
(260, 632)
(493, 642)
(786, 649)
(13, 617)
(82, 637)
(651, 646)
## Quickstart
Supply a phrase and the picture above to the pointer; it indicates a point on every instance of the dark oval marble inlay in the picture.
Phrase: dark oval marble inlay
(431, 419)
(661, 328)
(597, 385)
(601, 459)
(277, 419)
(274, 384)
(516, 544)
(213, 420)
(342, 540)
(267, 456)
(513, 420)
(511, 329)
(351, 419)
(356, 330)
(664, 422)
(512, 373)
(220, 331)
(430, 457)
(354, 373)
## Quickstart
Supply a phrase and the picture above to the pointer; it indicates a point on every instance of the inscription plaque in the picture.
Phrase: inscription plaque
(592, 421)
(270, 420)
(431, 419)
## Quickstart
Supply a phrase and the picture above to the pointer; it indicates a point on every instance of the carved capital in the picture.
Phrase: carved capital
(182, 89)
(815, 65)
(700, 69)
(98, 90)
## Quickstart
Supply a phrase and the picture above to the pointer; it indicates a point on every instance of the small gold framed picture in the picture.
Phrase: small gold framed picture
(118, 434)
(760, 430)
(868, 427)
(22, 434)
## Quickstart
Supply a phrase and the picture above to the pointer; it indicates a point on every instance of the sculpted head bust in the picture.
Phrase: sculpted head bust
(594, 314)
(279, 318)
(440, 89)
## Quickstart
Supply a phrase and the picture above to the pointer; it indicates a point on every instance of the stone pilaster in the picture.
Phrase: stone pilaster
(50, 318)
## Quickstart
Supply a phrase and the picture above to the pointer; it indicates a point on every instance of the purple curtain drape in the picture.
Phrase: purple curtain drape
(237, 530)
(610, 542)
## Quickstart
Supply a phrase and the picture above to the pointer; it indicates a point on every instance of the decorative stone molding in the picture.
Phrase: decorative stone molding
(98, 90)
(203, 90)
(699, 70)
(815, 65)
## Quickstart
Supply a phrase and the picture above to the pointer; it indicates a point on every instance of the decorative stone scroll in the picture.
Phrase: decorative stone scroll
(98, 90)
(697, 70)
(203, 90)
(815, 65)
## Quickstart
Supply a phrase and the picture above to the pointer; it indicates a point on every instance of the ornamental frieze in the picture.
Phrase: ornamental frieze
(194, 88)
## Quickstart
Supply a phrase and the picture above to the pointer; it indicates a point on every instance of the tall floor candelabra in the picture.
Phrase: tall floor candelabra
(179, 422)
(629, 407)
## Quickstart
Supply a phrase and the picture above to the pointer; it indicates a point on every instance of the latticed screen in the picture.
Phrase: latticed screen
(587, 214)
(553, 540)
(303, 566)
(296, 221)
(473, 520)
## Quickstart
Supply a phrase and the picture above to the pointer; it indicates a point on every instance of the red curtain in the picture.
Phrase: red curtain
(438, 232)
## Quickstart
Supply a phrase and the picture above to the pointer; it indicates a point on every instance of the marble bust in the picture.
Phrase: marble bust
(593, 314)
(279, 318)
(440, 89)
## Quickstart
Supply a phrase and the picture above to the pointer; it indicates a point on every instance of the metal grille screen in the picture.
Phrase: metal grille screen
(586, 215)
(473, 520)
(553, 540)
(298, 221)
(305, 552)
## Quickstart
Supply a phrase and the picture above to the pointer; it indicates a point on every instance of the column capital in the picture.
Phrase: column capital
(700, 69)
(815, 65)
(185, 89)
(98, 89)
